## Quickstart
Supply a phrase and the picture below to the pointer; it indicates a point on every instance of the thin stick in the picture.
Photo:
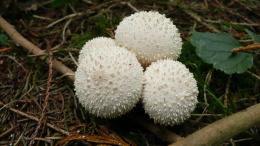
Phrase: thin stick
(193, 15)
(223, 129)
(19, 39)
(198, 18)
(254, 75)
(47, 94)
(229, 10)
(248, 48)
(5, 49)
(226, 92)
(35, 119)
(42, 18)
(64, 18)
(73, 59)
(237, 23)
(7, 131)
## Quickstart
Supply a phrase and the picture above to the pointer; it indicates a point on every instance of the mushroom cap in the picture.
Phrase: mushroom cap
(170, 92)
(108, 81)
(98, 42)
(150, 35)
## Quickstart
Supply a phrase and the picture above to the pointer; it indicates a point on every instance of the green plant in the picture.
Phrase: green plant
(3, 39)
(216, 49)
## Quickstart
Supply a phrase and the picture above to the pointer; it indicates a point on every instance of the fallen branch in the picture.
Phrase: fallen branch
(223, 129)
(34, 118)
(19, 39)
(248, 48)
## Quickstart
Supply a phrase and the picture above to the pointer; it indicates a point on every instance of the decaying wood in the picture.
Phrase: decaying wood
(223, 129)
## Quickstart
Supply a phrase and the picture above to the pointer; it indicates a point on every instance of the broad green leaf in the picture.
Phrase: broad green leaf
(255, 37)
(216, 49)
(3, 39)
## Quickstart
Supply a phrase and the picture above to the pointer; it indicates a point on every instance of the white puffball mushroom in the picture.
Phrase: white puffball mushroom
(98, 42)
(108, 81)
(150, 35)
(170, 92)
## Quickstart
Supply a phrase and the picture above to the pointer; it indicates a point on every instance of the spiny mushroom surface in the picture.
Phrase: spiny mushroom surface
(98, 42)
(108, 81)
(170, 92)
(150, 35)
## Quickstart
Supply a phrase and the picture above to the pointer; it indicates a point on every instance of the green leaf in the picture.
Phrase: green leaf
(216, 49)
(255, 37)
(3, 39)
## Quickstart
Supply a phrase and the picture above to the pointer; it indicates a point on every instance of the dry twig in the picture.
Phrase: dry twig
(194, 15)
(248, 48)
(198, 18)
(47, 94)
(90, 138)
(5, 49)
(237, 23)
(7, 131)
(226, 91)
(34, 118)
(254, 75)
(64, 18)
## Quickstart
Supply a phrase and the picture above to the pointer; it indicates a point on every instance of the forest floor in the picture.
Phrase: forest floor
(63, 26)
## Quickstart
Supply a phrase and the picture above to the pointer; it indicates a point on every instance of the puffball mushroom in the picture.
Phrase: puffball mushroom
(150, 35)
(98, 42)
(108, 81)
(170, 92)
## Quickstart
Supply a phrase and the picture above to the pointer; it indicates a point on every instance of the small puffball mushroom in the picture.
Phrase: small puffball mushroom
(170, 92)
(98, 42)
(108, 81)
(150, 35)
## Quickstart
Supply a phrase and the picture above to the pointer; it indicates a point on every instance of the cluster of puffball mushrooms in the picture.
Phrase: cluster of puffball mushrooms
(140, 64)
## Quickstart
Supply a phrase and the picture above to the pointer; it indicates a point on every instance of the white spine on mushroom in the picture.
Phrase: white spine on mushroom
(150, 35)
(99, 42)
(108, 81)
(170, 92)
